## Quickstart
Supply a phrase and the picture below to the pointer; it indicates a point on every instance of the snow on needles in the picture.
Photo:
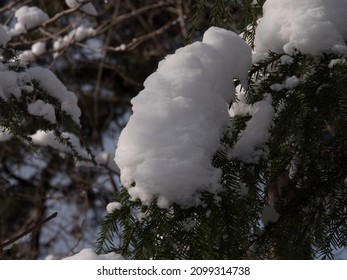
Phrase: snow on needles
(56, 88)
(4, 135)
(310, 26)
(13, 83)
(40, 108)
(178, 120)
(250, 147)
(113, 206)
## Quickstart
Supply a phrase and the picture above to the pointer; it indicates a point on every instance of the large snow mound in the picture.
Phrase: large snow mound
(178, 120)
(4, 37)
(310, 26)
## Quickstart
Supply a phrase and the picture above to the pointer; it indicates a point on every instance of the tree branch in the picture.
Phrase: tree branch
(19, 236)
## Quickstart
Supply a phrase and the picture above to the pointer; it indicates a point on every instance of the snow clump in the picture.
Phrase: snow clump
(311, 26)
(76, 35)
(28, 18)
(113, 206)
(178, 120)
(40, 108)
(12, 83)
(88, 8)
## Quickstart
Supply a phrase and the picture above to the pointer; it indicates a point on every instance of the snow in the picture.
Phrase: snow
(337, 61)
(293, 167)
(340, 254)
(48, 139)
(38, 48)
(76, 35)
(240, 106)
(178, 120)
(79, 33)
(12, 83)
(106, 159)
(4, 37)
(269, 215)
(4, 135)
(88, 254)
(56, 88)
(289, 83)
(277, 87)
(113, 206)
(28, 18)
(87, 8)
(3, 67)
(40, 108)
(286, 59)
(122, 47)
(26, 56)
(311, 26)
(250, 146)
(234, 51)
(9, 85)
(243, 190)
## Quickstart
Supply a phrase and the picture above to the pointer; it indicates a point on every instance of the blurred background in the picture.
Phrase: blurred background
(104, 59)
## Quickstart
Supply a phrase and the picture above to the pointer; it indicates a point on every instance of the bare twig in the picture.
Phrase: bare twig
(10, 6)
(181, 18)
(101, 71)
(19, 236)
(105, 26)
(141, 39)
(63, 13)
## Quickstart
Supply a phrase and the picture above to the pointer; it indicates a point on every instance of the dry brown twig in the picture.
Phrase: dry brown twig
(29, 230)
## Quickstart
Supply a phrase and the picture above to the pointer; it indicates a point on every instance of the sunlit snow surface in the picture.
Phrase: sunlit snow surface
(88, 254)
(166, 149)
(28, 18)
(310, 26)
